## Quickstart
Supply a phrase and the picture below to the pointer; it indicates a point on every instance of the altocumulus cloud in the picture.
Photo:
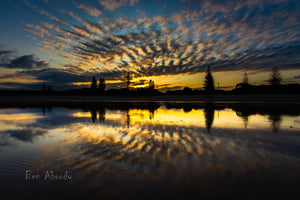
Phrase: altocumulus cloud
(227, 35)
(108, 38)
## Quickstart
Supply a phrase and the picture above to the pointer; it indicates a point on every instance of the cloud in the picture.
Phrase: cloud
(167, 87)
(90, 9)
(5, 55)
(114, 4)
(141, 82)
(26, 62)
(37, 30)
(8, 60)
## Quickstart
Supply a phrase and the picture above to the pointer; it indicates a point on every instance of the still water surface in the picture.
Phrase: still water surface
(154, 150)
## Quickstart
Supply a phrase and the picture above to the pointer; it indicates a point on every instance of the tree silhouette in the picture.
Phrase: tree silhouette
(209, 113)
(209, 82)
(245, 79)
(275, 77)
(44, 88)
(102, 84)
(151, 85)
(49, 89)
(187, 90)
(127, 80)
(94, 83)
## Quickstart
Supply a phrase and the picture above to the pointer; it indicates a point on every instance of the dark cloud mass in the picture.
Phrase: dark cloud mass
(22, 62)
(26, 62)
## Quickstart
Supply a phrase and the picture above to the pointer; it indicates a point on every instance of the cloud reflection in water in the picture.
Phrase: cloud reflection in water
(209, 148)
(181, 148)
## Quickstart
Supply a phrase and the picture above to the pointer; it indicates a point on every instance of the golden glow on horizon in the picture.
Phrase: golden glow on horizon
(179, 80)
(89, 83)
(223, 80)
(24, 80)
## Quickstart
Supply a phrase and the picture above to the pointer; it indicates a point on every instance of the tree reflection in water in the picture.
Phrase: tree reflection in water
(275, 122)
(101, 114)
(209, 112)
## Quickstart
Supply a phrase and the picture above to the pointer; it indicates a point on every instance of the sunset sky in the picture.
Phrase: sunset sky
(66, 43)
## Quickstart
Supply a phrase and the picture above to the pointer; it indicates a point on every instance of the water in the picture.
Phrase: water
(152, 150)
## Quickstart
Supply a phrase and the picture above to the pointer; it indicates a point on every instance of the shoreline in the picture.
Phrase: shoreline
(295, 99)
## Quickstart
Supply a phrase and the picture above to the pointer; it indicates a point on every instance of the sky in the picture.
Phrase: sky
(65, 43)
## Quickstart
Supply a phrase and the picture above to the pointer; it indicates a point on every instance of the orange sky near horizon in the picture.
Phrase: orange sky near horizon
(223, 80)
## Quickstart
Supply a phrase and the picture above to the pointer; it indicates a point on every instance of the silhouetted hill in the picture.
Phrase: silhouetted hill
(267, 89)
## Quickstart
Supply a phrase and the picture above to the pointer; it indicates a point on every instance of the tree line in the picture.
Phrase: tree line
(99, 87)
(209, 85)
(102, 84)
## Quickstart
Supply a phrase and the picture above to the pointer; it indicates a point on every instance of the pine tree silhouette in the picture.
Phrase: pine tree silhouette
(102, 84)
(94, 83)
(275, 77)
(245, 79)
(44, 88)
(127, 80)
(151, 85)
(209, 82)
(49, 89)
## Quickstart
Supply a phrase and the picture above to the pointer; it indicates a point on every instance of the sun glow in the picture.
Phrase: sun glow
(89, 82)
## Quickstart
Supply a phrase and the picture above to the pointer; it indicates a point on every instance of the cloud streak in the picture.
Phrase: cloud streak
(90, 10)
(114, 4)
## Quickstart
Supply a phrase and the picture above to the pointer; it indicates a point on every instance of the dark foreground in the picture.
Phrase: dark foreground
(274, 98)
